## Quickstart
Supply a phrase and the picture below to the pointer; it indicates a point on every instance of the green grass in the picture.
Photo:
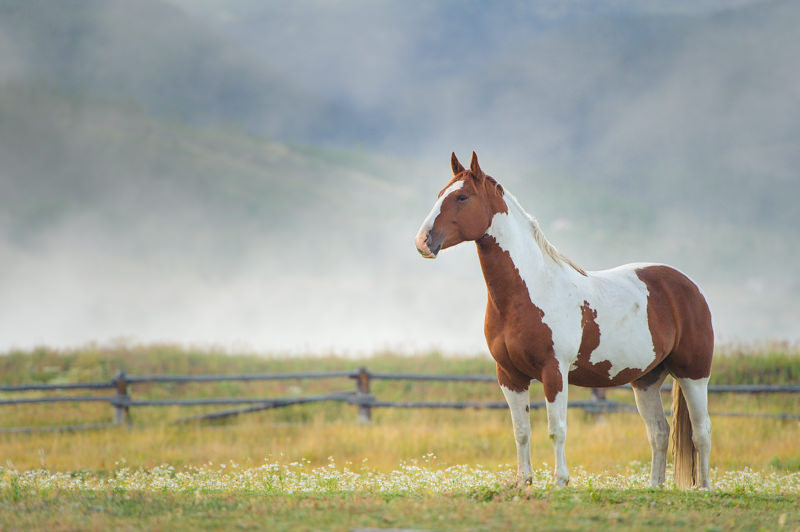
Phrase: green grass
(568, 509)
(419, 494)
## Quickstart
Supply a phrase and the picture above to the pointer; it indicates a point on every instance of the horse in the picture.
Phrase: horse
(548, 319)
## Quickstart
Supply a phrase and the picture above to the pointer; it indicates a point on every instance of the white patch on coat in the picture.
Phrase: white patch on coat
(618, 296)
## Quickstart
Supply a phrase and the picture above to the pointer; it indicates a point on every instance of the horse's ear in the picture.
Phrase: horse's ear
(455, 165)
(474, 167)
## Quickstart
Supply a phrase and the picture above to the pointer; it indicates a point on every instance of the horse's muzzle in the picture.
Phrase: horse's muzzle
(428, 244)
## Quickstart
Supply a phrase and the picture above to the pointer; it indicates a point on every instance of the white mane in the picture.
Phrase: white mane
(547, 248)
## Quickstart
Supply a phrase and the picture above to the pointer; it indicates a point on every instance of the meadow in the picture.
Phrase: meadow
(315, 467)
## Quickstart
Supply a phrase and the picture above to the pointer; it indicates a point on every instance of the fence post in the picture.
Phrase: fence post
(362, 385)
(600, 397)
(121, 411)
(599, 394)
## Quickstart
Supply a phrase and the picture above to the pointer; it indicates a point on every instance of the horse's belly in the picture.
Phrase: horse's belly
(599, 376)
(618, 359)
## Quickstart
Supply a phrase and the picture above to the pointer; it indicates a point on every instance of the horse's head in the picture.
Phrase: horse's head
(463, 211)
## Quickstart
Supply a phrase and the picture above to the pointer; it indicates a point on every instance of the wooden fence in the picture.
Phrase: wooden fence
(121, 401)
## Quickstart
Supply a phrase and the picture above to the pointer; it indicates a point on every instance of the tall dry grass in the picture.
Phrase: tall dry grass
(317, 432)
(597, 444)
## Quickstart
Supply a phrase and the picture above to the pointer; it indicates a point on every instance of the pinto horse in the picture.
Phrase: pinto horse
(548, 319)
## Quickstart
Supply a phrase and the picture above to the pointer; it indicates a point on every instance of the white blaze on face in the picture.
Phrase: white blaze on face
(427, 225)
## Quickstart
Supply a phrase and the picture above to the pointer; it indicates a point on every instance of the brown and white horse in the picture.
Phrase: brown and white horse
(549, 320)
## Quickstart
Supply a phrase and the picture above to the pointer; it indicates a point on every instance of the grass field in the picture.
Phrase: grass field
(315, 467)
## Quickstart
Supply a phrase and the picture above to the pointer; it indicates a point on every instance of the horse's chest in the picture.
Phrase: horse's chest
(518, 337)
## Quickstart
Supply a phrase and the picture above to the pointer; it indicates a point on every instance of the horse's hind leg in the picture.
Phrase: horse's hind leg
(696, 393)
(647, 391)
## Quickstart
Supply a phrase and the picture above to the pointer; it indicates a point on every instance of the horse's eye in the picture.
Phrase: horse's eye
(462, 197)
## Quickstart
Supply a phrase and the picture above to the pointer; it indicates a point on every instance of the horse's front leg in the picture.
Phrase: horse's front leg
(519, 404)
(554, 382)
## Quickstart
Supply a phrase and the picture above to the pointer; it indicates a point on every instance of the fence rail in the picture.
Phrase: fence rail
(361, 397)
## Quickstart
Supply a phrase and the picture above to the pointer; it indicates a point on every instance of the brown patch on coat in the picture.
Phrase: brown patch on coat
(518, 339)
(589, 375)
(584, 372)
(679, 321)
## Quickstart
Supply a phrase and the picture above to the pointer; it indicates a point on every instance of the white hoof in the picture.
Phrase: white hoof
(562, 481)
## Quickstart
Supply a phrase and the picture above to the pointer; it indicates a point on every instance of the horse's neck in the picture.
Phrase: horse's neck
(510, 236)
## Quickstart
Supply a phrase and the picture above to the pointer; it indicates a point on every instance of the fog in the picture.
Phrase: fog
(250, 175)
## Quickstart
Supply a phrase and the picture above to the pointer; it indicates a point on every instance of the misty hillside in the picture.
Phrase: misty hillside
(158, 56)
(150, 185)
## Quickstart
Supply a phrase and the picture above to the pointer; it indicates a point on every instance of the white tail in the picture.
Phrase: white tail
(683, 450)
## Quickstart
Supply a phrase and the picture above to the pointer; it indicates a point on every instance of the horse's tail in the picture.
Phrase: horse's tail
(683, 450)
